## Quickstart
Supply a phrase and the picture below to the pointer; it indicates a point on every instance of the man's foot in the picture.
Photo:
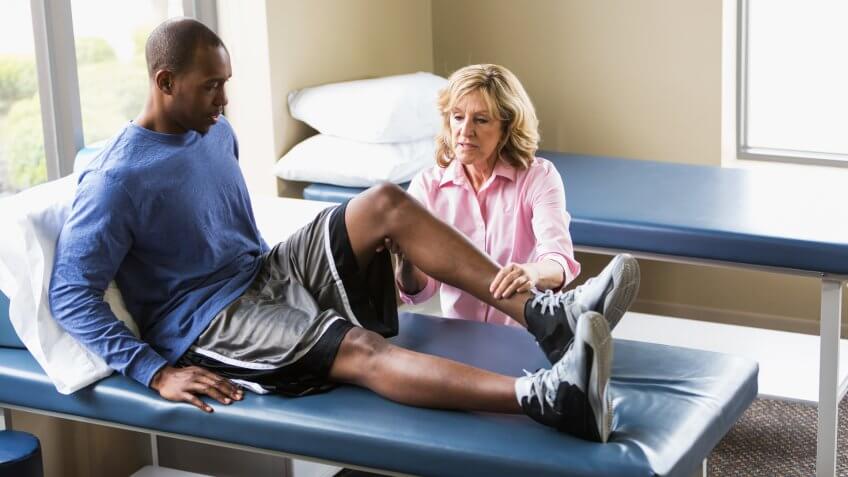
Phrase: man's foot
(572, 396)
(551, 317)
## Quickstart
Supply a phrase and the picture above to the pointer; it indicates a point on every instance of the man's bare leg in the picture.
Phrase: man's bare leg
(570, 397)
(433, 246)
(366, 359)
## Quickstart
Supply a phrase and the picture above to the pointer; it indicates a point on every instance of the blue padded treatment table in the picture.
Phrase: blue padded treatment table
(673, 405)
(691, 211)
(334, 193)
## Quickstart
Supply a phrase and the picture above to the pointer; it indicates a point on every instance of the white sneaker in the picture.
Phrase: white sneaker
(614, 289)
(551, 317)
(572, 396)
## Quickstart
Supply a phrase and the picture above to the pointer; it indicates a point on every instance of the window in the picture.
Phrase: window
(49, 91)
(110, 59)
(793, 99)
(22, 162)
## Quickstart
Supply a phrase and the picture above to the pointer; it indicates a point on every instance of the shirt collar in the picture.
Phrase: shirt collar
(504, 170)
(455, 174)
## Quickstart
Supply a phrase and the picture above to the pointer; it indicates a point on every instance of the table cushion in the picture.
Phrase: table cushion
(760, 217)
(8, 336)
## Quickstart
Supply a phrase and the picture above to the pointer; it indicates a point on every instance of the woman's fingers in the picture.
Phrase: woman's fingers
(515, 286)
(511, 279)
(526, 287)
(506, 280)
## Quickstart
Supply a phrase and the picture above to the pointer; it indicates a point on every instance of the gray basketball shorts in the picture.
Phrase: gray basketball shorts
(283, 333)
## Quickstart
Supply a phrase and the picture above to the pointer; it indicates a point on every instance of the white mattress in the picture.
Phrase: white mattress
(278, 217)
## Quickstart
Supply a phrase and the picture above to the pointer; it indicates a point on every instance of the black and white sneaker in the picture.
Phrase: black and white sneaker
(572, 396)
(551, 317)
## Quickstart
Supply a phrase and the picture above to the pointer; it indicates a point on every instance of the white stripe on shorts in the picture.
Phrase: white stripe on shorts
(263, 366)
(339, 284)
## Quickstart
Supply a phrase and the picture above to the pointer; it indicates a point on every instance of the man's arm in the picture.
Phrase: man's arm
(93, 243)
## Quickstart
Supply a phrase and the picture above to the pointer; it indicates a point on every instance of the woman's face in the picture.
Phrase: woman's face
(474, 131)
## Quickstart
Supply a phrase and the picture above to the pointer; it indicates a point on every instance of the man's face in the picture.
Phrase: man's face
(197, 94)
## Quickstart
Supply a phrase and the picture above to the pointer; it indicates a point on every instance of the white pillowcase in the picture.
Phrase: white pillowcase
(381, 110)
(30, 223)
(333, 160)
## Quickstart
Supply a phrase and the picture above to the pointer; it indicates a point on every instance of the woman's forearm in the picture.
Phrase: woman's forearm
(551, 275)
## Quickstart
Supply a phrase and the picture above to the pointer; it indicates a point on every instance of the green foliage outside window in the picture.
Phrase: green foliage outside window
(93, 50)
(17, 81)
(111, 93)
(24, 151)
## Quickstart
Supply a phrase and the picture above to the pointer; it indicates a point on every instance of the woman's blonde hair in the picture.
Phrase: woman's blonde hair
(508, 102)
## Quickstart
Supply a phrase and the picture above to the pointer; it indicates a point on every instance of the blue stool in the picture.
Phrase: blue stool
(20, 455)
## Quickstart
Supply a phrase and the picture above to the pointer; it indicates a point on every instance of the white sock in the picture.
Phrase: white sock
(522, 388)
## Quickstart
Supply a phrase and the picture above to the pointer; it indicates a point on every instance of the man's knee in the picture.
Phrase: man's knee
(388, 197)
(363, 348)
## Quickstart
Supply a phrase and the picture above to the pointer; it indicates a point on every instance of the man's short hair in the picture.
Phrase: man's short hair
(172, 44)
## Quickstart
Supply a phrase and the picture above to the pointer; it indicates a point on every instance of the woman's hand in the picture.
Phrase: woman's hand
(409, 279)
(514, 278)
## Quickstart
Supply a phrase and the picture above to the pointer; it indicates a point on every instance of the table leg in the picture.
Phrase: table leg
(830, 327)
(6, 423)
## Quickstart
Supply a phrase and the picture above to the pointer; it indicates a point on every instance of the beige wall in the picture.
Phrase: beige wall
(632, 79)
(280, 46)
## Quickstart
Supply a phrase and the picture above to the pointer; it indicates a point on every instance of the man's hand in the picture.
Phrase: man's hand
(186, 384)
(515, 277)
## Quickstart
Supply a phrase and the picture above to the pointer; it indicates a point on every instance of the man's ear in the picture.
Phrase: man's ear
(164, 81)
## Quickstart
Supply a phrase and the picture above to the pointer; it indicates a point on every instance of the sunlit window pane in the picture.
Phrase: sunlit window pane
(22, 162)
(798, 75)
(109, 37)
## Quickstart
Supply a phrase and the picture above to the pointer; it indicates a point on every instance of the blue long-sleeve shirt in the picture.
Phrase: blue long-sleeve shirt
(169, 218)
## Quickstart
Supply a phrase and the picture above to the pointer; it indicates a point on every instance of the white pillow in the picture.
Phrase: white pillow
(30, 223)
(389, 109)
(333, 160)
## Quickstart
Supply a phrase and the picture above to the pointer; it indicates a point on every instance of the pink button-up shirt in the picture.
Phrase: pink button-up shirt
(516, 216)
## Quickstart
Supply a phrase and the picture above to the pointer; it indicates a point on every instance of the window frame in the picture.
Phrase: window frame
(58, 80)
(743, 150)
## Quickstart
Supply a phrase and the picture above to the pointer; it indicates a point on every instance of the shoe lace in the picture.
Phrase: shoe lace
(545, 382)
(550, 301)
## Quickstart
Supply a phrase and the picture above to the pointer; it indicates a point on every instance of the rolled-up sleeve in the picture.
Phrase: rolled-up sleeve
(425, 294)
(550, 224)
(93, 243)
